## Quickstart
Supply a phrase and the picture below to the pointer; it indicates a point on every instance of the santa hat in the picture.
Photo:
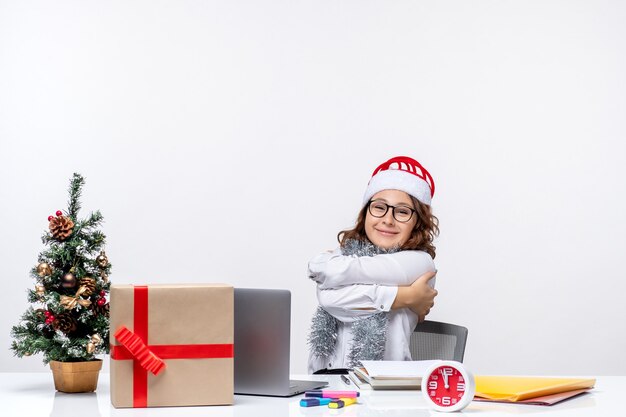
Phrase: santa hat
(404, 174)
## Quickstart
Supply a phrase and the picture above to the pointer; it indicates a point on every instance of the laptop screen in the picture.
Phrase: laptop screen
(262, 338)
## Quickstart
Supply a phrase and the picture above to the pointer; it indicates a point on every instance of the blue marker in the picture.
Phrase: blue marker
(314, 402)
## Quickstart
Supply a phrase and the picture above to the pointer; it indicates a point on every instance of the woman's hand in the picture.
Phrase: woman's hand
(419, 296)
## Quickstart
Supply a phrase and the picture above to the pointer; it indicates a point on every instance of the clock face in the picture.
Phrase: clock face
(448, 386)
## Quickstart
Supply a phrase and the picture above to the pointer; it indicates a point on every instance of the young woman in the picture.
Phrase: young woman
(378, 284)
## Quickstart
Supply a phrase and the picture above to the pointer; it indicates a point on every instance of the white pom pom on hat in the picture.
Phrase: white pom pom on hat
(404, 174)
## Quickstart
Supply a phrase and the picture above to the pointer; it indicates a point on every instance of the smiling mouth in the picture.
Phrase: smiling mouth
(386, 233)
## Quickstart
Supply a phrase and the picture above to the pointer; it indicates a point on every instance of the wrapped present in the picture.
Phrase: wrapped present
(171, 345)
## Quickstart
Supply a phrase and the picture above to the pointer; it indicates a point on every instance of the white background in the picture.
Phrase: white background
(230, 142)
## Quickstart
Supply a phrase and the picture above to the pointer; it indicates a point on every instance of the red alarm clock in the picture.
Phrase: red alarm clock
(448, 386)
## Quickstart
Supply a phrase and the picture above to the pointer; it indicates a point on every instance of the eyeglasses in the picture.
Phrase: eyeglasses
(401, 213)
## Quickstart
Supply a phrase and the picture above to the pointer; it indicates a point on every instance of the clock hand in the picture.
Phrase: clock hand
(444, 373)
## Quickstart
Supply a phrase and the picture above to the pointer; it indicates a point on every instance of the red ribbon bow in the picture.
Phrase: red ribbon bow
(133, 343)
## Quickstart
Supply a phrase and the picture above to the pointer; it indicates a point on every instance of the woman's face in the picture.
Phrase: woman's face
(386, 232)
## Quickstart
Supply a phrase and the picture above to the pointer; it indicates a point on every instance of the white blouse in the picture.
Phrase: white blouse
(353, 287)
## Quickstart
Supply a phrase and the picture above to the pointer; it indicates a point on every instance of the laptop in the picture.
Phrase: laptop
(262, 338)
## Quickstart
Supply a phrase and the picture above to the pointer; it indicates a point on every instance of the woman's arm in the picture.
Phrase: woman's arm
(353, 302)
(334, 270)
(419, 297)
(357, 301)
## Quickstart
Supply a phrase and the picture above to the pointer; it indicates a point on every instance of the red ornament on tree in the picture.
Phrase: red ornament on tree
(101, 301)
(59, 213)
(49, 317)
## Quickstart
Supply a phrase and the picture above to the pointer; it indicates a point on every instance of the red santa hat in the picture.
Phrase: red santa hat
(404, 174)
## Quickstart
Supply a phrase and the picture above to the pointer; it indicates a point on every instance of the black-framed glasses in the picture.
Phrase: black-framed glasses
(401, 213)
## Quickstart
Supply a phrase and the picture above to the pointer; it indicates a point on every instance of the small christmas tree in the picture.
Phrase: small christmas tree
(71, 323)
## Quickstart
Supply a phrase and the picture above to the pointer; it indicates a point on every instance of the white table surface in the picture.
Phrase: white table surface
(33, 394)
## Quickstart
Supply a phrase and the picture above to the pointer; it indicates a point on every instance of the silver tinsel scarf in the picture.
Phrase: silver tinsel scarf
(368, 334)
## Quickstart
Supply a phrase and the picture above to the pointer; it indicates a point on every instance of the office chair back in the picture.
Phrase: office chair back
(436, 340)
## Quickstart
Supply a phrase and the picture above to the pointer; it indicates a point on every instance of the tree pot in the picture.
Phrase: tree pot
(76, 376)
